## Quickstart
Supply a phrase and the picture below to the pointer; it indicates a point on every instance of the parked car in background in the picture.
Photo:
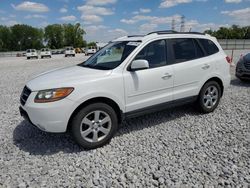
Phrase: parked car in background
(45, 52)
(90, 50)
(31, 53)
(129, 77)
(243, 68)
(78, 50)
(69, 51)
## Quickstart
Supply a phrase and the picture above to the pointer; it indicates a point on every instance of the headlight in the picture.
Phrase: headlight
(51, 95)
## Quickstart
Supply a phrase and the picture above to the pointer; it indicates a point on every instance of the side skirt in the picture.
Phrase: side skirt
(159, 107)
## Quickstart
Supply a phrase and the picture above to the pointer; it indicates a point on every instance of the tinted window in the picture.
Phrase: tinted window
(199, 51)
(209, 46)
(184, 50)
(154, 53)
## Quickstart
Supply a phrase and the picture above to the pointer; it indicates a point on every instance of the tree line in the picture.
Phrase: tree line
(20, 37)
(233, 32)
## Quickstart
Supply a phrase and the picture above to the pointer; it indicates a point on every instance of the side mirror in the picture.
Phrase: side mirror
(139, 64)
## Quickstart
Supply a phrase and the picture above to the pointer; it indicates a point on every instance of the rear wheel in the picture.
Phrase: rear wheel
(209, 97)
(94, 125)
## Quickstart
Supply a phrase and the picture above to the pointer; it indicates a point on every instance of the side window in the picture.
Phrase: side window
(154, 53)
(199, 51)
(184, 50)
(209, 46)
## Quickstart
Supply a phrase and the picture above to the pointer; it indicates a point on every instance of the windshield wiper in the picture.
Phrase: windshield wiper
(87, 66)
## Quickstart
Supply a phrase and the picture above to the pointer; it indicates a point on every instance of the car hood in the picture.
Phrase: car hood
(66, 77)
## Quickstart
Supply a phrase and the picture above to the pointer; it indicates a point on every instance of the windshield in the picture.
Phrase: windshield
(111, 56)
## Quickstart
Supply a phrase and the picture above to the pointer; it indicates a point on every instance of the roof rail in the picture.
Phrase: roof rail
(163, 32)
(197, 33)
(174, 32)
(135, 36)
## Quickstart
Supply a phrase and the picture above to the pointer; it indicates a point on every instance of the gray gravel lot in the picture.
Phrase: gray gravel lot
(174, 148)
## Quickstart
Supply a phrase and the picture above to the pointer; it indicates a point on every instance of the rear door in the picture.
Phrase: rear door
(190, 67)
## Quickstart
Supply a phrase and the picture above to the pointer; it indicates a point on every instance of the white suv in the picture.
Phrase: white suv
(69, 51)
(31, 53)
(45, 52)
(90, 50)
(130, 76)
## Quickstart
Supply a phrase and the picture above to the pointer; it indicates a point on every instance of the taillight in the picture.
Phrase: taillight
(229, 60)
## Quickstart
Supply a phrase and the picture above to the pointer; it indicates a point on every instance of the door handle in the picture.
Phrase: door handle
(206, 66)
(166, 76)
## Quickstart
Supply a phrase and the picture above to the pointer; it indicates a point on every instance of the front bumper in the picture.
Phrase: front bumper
(49, 117)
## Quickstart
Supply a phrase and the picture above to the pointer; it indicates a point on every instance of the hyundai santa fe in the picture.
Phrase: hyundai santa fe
(130, 76)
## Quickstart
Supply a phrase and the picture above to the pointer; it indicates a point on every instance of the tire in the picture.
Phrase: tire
(41, 57)
(50, 56)
(209, 97)
(88, 121)
(28, 57)
(66, 56)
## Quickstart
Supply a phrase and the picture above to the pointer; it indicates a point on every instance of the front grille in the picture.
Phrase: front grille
(247, 64)
(25, 95)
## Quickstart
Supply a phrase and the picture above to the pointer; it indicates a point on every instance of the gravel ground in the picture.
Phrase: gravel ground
(174, 148)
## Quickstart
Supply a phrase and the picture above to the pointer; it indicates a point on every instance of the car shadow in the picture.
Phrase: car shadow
(36, 142)
(30, 139)
(239, 83)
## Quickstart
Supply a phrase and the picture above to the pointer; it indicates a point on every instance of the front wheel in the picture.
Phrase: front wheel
(94, 125)
(209, 97)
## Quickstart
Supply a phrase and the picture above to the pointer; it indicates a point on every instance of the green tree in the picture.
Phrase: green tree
(233, 32)
(73, 35)
(53, 35)
(5, 38)
(24, 37)
(92, 44)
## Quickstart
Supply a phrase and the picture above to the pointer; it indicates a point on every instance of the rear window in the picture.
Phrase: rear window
(33, 50)
(209, 46)
(184, 50)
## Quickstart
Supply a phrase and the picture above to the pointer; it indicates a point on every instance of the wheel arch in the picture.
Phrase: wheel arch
(218, 80)
(105, 100)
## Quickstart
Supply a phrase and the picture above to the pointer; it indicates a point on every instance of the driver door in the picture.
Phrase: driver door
(152, 86)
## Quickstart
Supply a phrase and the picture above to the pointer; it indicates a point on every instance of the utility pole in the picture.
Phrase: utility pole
(173, 24)
(182, 29)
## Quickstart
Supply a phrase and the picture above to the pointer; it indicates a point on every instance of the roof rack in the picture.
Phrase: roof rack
(135, 36)
(174, 32)
(163, 32)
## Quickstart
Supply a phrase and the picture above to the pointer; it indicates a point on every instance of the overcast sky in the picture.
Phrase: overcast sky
(104, 20)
